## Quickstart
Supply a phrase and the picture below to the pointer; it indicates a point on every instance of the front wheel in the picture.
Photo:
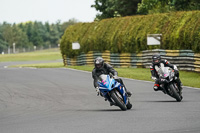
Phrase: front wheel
(116, 96)
(175, 93)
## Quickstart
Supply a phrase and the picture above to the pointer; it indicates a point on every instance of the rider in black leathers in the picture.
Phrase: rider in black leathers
(104, 68)
(156, 63)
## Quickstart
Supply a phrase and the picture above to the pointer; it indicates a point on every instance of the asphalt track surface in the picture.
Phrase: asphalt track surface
(59, 100)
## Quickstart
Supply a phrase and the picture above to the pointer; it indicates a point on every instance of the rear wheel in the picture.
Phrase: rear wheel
(116, 96)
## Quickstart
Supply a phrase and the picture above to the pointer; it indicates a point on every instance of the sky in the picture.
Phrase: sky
(17, 11)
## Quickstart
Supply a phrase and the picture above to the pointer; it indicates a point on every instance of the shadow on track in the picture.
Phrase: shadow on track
(101, 110)
(171, 101)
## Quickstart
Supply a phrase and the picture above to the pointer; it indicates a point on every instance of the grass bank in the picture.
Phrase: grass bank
(42, 65)
(188, 78)
(50, 54)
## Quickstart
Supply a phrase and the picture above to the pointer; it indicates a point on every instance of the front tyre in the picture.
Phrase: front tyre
(175, 93)
(116, 96)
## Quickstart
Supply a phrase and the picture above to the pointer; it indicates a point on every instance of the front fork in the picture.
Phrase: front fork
(163, 86)
(175, 86)
(122, 96)
(108, 98)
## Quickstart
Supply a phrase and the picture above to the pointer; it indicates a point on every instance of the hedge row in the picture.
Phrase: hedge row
(180, 30)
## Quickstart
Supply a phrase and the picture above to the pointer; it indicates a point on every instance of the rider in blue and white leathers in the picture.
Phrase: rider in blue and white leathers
(103, 68)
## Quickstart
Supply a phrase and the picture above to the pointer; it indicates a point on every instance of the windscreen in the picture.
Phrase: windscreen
(103, 77)
(163, 72)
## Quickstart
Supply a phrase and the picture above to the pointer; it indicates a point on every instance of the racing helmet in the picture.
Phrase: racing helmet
(156, 58)
(99, 63)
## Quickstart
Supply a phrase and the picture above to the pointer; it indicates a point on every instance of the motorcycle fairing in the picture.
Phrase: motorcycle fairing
(108, 84)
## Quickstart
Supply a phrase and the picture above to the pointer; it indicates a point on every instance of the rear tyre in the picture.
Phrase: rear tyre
(116, 96)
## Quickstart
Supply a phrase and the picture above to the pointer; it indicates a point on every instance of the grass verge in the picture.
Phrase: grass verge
(51, 54)
(191, 79)
(42, 65)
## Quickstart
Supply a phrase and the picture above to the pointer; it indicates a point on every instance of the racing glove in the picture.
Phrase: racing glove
(175, 68)
(115, 77)
(153, 78)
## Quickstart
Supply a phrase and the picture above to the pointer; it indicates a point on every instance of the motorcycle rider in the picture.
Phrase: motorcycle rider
(156, 64)
(103, 68)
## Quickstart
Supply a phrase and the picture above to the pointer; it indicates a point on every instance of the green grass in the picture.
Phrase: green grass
(42, 65)
(188, 78)
(84, 68)
(52, 54)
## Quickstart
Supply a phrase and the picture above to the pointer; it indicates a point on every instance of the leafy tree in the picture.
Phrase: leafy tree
(29, 34)
(3, 43)
(154, 6)
(46, 36)
(13, 34)
(54, 34)
(127, 7)
(28, 29)
(66, 24)
(19, 37)
(35, 34)
(103, 7)
(7, 33)
(161, 6)
(181, 5)
(112, 8)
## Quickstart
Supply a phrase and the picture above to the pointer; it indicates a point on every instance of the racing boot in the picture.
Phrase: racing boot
(179, 84)
(156, 87)
(111, 103)
(180, 88)
(128, 92)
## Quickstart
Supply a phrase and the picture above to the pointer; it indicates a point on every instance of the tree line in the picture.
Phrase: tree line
(42, 35)
(32, 34)
(116, 8)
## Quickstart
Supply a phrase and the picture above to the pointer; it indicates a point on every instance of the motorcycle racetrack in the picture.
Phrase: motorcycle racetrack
(60, 100)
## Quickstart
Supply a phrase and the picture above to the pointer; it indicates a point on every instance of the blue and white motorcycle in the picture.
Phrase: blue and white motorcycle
(114, 92)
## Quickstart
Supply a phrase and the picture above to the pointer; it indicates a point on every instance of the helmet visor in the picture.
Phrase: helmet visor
(156, 61)
(98, 65)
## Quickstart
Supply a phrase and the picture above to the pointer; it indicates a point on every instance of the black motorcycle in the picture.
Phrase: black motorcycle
(168, 83)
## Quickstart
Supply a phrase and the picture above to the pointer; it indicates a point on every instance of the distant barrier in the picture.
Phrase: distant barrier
(183, 59)
(126, 60)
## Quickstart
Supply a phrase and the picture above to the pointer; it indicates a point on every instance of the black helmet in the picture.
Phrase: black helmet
(99, 63)
(156, 58)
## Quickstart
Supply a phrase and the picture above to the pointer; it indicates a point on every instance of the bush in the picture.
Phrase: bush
(180, 30)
